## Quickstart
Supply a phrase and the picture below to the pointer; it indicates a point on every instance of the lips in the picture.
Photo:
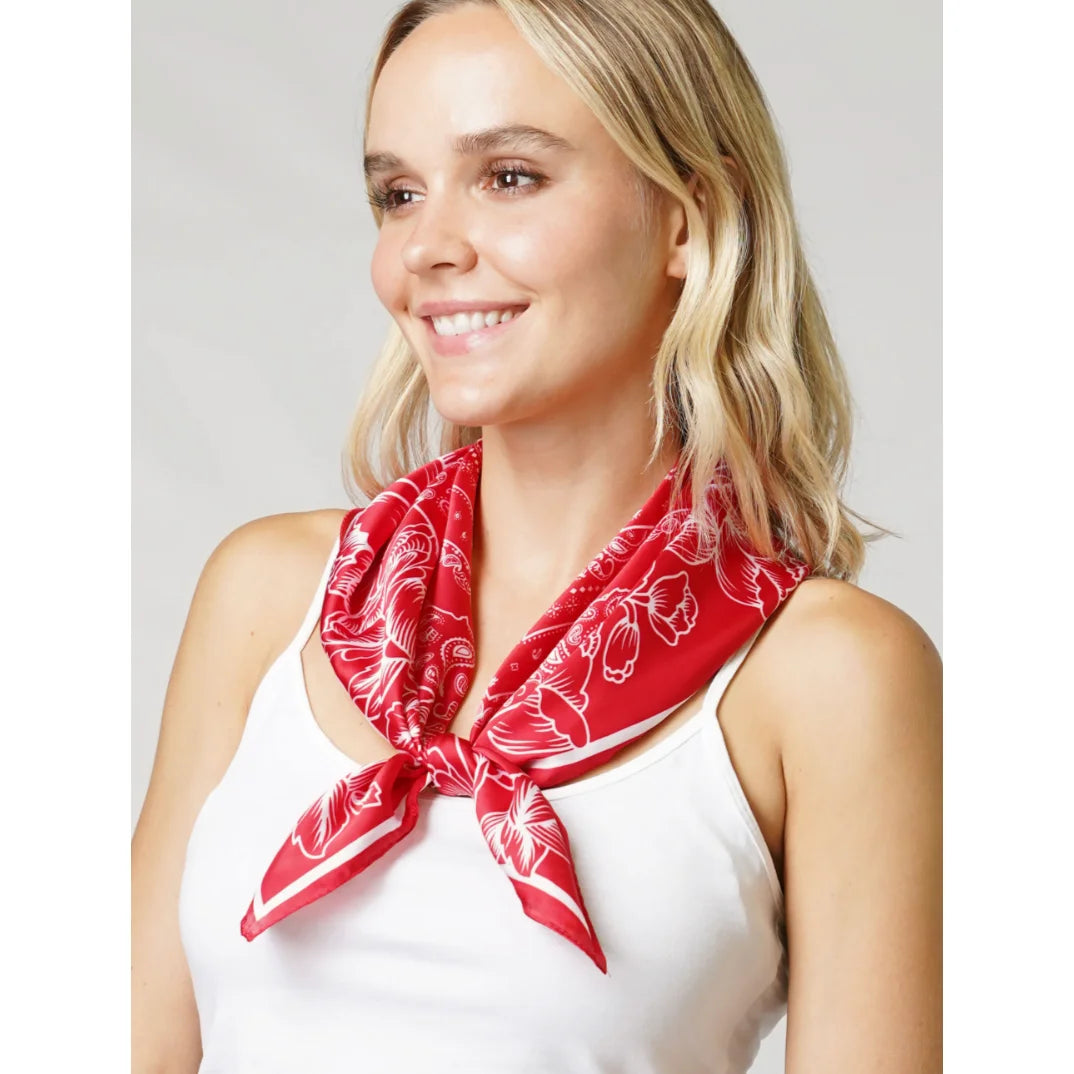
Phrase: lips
(465, 305)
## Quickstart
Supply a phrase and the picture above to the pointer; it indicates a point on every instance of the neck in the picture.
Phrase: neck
(549, 501)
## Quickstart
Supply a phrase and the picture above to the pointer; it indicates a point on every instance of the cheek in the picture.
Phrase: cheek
(577, 256)
(388, 276)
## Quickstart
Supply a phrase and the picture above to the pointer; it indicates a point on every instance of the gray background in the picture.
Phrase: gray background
(254, 321)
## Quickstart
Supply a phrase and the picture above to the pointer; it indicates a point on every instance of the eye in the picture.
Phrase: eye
(384, 198)
(502, 170)
(519, 180)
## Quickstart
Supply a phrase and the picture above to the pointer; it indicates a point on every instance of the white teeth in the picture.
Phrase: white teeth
(470, 322)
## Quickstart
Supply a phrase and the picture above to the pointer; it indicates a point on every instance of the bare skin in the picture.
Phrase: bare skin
(832, 721)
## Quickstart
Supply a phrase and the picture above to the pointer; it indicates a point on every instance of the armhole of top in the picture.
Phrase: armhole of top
(723, 677)
(313, 612)
(715, 736)
(291, 652)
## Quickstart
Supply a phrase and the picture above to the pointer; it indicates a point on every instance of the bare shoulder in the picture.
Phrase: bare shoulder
(291, 536)
(850, 665)
(251, 596)
(265, 571)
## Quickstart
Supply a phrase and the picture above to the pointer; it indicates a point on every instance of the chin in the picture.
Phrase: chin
(461, 408)
(478, 419)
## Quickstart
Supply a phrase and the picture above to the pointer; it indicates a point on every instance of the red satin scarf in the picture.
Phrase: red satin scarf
(641, 629)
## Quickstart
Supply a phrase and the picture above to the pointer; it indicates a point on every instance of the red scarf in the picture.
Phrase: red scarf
(641, 629)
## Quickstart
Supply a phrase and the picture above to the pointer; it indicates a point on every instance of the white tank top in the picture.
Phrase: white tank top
(426, 961)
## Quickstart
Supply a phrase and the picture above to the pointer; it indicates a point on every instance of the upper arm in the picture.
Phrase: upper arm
(862, 766)
(253, 589)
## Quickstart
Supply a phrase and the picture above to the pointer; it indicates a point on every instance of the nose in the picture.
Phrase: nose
(438, 238)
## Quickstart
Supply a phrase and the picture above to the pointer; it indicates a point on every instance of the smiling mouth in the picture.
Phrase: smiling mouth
(475, 324)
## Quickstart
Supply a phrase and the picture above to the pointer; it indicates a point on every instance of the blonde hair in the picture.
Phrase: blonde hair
(747, 370)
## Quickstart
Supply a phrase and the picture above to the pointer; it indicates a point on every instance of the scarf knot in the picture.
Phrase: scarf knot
(456, 766)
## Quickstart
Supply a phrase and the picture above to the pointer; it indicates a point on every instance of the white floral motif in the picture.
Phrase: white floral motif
(352, 561)
(451, 778)
(671, 609)
(555, 706)
(527, 832)
(622, 646)
(326, 819)
(380, 638)
(755, 581)
(409, 564)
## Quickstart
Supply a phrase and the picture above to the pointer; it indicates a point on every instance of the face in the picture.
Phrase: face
(547, 227)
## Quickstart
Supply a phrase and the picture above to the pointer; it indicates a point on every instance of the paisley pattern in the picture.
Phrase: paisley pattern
(647, 623)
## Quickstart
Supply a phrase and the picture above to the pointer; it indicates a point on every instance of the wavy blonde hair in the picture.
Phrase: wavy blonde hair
(747, 370)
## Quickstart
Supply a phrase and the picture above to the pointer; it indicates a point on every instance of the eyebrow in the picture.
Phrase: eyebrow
(516, 135)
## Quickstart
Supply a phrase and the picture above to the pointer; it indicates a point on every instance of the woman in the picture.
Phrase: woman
(587, 245)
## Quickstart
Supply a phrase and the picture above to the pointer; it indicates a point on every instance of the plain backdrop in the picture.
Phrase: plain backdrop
(255, 323)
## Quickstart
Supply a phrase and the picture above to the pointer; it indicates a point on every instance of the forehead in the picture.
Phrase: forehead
(465, 70)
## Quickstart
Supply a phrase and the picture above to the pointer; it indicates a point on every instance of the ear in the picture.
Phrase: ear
(680, 232)
(681, 240)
